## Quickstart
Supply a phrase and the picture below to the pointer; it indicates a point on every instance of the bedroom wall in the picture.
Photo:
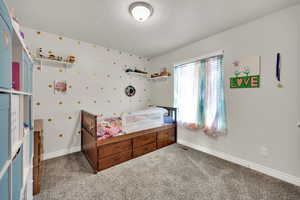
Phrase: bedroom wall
(257, 118)
(96, 83)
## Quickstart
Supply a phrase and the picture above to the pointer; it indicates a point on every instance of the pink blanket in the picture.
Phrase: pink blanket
(109, 127)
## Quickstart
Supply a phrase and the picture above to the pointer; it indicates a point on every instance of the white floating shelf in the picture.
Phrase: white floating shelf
(137, 74)
(41, 60)
(147, 76)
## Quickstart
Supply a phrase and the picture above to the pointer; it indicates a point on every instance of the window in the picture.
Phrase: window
(199, 95)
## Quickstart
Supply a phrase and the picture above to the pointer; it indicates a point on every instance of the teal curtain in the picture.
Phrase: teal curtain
(199, 95)
(214, 104)
(202, 83)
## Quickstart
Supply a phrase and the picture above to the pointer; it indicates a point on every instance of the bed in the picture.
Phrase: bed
(111, 141)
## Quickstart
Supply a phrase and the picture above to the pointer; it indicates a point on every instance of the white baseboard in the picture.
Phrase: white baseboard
(257, 167)
(61, 152)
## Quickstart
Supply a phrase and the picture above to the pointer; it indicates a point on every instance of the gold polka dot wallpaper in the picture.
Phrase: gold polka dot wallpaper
(95, 83)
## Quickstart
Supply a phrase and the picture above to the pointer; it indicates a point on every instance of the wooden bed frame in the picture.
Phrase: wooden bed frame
(108, 152)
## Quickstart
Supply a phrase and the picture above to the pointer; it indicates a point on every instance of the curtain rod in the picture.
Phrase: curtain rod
(197, 59)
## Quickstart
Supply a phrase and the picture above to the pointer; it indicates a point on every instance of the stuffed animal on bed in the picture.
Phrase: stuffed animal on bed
(109, 127)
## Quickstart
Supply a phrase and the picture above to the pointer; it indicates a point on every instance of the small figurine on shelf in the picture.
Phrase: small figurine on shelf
(129, 70)
(40, 53)
(163, 69)
(51, 57)
(140, 71)
(164, 72)
(59, 58)
(71, 59)
(155, 75)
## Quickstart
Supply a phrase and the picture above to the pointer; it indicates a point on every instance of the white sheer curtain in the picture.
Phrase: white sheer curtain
(199, 95)
(187, 92)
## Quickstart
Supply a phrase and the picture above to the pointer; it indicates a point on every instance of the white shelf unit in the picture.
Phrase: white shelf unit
(56, 62)
(136, 74)
(147, 76)
(16, 145)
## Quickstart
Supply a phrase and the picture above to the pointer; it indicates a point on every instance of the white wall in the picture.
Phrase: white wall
(98, 81)
(256, 117)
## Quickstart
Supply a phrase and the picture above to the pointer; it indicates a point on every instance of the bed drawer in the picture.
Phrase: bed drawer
(114, 159)
(165, 137)
(111, 149)
(162, 144)
(143, 140)
(144, 149)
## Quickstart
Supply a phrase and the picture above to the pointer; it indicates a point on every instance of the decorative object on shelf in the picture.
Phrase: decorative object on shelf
(140, 71)
(136, 71)
(71, 59)
(130, 91)
(155, 75)
(60, 87)
(247, 73)
(40, 53)
(162, 75)
(278, 70)
(129, 70)
(52, 57)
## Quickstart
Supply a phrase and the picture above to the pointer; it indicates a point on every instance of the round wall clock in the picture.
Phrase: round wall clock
(130, 91)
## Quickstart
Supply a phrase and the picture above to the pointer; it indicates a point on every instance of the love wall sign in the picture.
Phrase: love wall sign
(245, 82)
(247, 73)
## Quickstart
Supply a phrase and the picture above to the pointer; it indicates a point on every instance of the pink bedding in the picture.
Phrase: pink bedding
(109, 127)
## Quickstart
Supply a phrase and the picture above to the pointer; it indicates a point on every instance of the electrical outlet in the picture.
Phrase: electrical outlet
(264, 151)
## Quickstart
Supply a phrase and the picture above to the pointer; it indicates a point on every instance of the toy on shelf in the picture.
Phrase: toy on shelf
(71, 59)
(40, 53)
(136, 71)
(155, 75)
(51, 56)
(163, 73)
(140, 71)
(129, 70)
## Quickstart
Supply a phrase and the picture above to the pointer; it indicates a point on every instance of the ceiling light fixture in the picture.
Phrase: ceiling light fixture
(141, 11)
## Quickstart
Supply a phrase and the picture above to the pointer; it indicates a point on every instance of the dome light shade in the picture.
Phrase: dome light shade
(140, 11)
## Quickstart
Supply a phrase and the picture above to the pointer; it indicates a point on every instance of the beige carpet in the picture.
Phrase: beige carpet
(172, 173)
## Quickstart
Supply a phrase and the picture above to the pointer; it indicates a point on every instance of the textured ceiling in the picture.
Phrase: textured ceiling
(175, 23)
